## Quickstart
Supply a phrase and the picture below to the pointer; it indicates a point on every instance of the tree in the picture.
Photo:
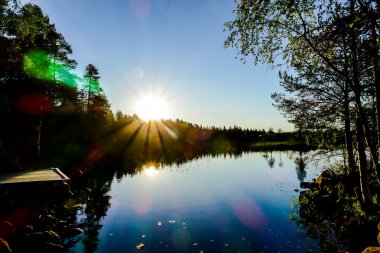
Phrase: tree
(91, 83)
(338, 40)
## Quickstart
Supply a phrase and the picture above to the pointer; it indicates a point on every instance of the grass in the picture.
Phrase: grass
(280, 145)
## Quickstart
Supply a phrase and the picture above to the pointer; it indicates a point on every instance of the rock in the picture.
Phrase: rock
(74, 231)
(45, 236)
(52, 247)
(4, 246)
(372, 250)
(309, 185)
(29, 228)
(140, 246)
(77, 206)
(326, 178)
(6, 229)
(6, 224)
(72, 204)
(53, 234)
(296, 190)
(71, 243)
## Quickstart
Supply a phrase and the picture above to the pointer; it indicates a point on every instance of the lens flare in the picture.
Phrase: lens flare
(34, 103)
(249, 213)
(42, 65)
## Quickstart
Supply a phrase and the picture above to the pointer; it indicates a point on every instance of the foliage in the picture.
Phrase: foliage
(336, 87)
(42, 107)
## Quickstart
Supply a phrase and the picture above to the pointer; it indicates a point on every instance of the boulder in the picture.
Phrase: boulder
(45, 236)
(372, 250)
(74, 231)
(309, 185)
(73, 204)
(29, 228)
(7, 229)
(326, 178)
(52, 247)
(4, 246)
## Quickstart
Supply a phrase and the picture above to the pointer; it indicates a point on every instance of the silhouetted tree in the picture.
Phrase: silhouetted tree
(340, 75)
(91, 83)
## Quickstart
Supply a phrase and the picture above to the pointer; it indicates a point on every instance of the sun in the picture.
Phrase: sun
(152, 107)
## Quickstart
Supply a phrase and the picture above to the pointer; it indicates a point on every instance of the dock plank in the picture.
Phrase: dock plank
(34, 176)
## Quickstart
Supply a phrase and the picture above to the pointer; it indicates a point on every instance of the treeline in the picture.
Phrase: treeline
(133, 141)
(52, 115)
(331, 52)
(235, 134)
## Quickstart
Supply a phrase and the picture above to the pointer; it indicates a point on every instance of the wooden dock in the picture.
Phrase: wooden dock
(49, 175)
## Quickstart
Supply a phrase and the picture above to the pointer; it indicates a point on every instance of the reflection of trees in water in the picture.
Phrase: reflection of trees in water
(335, 227)
(96, 203)
(92, 191)
(301, 162)
(268, 156)
(280, 163)
(330, 237)
(299, 157)
(271, 160)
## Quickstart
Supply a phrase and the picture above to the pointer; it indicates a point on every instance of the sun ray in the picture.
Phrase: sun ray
(161, 138)
(169, 131)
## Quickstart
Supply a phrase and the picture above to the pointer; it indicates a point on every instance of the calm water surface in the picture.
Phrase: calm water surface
(222, 204)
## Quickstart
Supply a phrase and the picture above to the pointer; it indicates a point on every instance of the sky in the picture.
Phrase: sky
(173, 49)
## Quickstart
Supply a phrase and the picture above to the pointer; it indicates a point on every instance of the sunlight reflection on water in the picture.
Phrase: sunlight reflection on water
(151, 171)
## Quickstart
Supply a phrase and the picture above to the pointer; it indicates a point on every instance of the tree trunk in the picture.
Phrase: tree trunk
(367, 136)
(376, 84)
(363, 177)
(361, 119)
(88, 96)
(38, 142)
(348, 135)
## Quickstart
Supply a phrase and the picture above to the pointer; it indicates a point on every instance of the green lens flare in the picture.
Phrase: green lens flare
(92, 85)
(36, 64)
(63, 75)
(44, 66)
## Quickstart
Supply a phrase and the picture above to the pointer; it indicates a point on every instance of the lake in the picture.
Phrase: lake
(243, 203)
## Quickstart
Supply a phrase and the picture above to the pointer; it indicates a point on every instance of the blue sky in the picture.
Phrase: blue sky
(173, 48)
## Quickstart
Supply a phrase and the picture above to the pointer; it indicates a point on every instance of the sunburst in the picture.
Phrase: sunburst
(152, 107)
